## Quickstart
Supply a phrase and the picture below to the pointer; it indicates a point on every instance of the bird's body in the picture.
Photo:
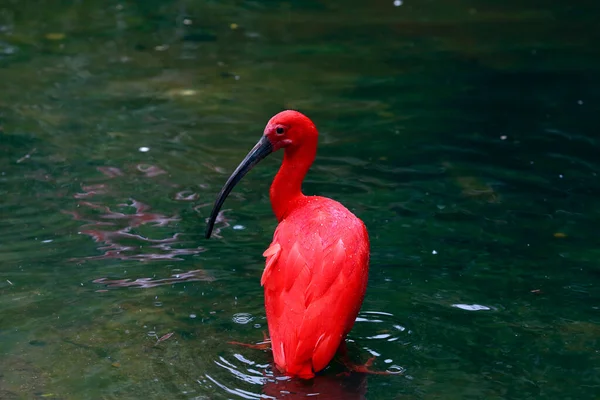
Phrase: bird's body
(317, 264)
(314, 281)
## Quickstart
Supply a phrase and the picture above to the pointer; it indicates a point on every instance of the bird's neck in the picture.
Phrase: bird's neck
(286, 190)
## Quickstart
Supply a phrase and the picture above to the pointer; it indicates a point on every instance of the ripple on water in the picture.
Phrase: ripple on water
(114, 230)
(471, 307)
(250, 379)
(242, 318)
(250, 374)
(379, 333)
(190, 276)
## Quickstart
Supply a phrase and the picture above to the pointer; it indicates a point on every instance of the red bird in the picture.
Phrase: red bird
(318, 262)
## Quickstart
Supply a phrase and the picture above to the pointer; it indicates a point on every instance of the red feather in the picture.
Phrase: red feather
(314, 281)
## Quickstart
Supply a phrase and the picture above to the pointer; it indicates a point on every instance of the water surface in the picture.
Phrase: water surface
(463, 133)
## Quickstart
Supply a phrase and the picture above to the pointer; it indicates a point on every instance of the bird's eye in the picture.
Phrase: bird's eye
(279, 130)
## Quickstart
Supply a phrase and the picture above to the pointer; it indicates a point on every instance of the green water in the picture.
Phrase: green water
(464, 133)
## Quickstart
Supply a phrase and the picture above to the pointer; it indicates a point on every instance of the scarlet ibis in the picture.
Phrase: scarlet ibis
(318, 262)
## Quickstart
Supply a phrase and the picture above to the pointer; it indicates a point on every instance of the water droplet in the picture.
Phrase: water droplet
(434, 252)
(239, 227)
(397, 3)
(187, 21)
(47, 241)
(560, 176)
(192, 316)
(580, 102)
(144, 149)
(503, 137)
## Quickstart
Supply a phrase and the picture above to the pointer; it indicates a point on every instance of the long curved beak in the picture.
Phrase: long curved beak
(262, 149)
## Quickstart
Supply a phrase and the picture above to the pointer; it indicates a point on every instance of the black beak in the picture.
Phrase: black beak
(262, 149)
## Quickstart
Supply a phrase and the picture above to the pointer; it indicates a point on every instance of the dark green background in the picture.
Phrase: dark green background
(464, 133)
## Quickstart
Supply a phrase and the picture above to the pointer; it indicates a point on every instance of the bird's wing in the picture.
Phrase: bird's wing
(313, 291)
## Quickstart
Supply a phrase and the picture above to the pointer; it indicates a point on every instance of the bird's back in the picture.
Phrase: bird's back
(315, 279)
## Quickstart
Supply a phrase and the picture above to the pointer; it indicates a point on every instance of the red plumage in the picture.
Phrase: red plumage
(317, 264)
(314, 280)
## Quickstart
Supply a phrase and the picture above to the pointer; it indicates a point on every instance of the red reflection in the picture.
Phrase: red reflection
(110, 172)
(352, 387)
(134, 220)
(112, 241)
(150, 170)
(220, 222)
(91, 190)
(186, 195)
(115, 231)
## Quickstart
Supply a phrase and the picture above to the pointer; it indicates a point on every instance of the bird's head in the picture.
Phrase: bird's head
(289, 129)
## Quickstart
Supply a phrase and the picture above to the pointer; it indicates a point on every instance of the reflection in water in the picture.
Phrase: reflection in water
(91, 190)
(190, 276)
(245, 378)
(139, 218)
(387, 329)
(186, 195)
(273, 385)
(112, 239)
(110, 172)
(220, 222)
(150, 170)
(113, 246)
(113, 230)
(471, 307)
(352, 387)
